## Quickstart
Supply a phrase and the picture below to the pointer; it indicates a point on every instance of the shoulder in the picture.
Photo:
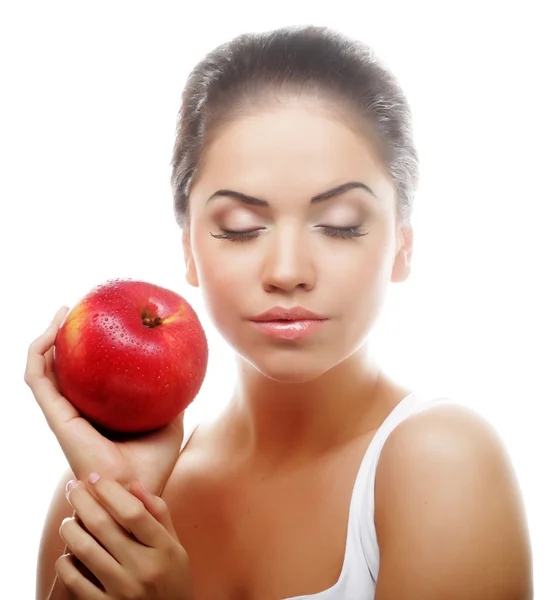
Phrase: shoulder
(447, 430)
(194, 465)
(449, 515)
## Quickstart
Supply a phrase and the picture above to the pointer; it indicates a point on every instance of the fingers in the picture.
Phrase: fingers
(75, 581)
(36, 362)
(56, 408)
(155, 506)
(46, 340)
(49, 355)
(131, 513)
(89, 553)
(98, 523)
(153, 557)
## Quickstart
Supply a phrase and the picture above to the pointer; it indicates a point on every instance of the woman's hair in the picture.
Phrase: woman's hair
(255, 69)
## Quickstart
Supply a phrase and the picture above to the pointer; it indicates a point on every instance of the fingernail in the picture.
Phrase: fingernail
(92, 478)
(70, 485)
(144, 489)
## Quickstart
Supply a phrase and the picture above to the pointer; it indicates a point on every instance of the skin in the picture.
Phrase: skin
(89, 538)
(448, 510)
(294, 399)
(134, 551)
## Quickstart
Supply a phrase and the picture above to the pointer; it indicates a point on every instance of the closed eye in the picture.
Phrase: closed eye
(334, 232)
(343, 232)
(237, 236)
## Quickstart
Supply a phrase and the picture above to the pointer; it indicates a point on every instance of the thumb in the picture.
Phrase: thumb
(155, 505)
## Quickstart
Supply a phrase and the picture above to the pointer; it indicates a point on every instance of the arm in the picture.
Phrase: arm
(449, 515)
(150, 457)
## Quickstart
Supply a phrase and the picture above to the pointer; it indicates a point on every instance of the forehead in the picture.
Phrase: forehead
(292, 150)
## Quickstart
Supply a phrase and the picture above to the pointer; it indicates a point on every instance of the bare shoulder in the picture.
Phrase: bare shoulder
(193, 467)
(449, 513)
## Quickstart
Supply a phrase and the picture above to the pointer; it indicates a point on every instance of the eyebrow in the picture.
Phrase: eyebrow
(332, 193)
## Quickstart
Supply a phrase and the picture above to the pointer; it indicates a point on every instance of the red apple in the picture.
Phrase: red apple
(130, 356)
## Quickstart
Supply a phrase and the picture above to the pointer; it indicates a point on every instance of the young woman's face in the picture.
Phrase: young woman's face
(290, 250)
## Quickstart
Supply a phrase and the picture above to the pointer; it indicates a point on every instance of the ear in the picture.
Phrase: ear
(402, 260)
(191, 270)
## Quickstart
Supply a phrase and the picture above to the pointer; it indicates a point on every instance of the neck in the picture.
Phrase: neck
(277, 422)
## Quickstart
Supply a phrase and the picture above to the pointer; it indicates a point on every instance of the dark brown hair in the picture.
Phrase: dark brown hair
(239, 75)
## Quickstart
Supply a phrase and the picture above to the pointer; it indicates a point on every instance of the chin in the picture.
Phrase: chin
(290, 375)
(294, 364)
(292, 368)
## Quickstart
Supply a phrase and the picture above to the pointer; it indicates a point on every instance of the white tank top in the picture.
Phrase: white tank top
(361, 557)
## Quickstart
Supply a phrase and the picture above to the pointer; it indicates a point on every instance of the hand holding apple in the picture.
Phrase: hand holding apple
(150, 456)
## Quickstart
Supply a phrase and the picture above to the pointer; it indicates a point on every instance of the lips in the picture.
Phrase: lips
(296, 313)
(289, 330)
(290, 324)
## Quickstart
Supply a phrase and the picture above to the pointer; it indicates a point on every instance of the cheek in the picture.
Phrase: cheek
(223, 276)
(356, 268)
(361, 282)
(220, 266)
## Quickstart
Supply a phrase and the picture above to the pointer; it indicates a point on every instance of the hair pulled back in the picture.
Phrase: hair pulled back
(254, 68)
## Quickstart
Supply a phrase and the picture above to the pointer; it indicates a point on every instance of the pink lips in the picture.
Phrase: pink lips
(288, 323)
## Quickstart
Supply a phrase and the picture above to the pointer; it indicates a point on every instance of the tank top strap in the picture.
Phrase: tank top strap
(363, 505)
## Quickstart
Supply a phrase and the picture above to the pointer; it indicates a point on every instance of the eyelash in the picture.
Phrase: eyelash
(335, 232)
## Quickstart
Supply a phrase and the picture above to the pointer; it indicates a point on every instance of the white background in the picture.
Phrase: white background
(89, 96)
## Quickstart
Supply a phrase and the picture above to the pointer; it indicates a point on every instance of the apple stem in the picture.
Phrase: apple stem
(149, 322)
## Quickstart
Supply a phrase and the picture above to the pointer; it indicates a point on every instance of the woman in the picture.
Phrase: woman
(294, 173)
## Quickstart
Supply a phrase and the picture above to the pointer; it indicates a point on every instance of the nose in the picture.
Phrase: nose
(288, 262)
